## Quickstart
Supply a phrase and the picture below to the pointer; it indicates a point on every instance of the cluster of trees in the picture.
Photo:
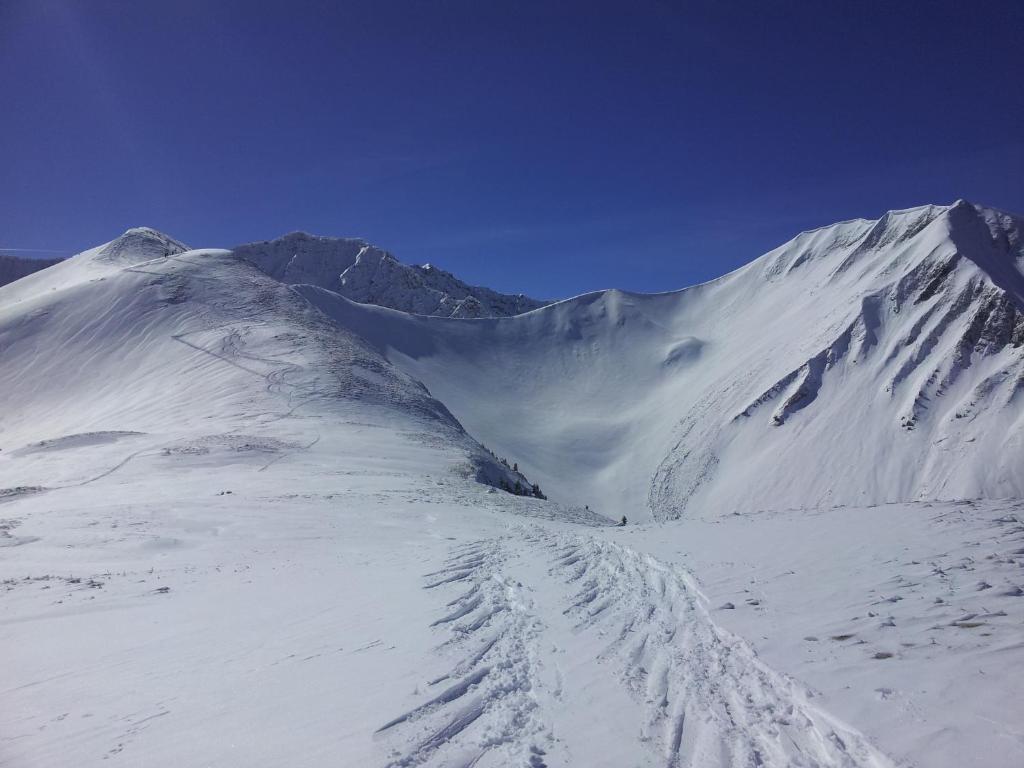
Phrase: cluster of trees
(521, 490)
(518, 488)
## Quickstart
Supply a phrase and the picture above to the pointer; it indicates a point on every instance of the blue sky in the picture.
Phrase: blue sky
(549, 148)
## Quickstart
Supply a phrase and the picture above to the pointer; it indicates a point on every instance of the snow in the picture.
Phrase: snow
(249, 522)
(366, 274)
(905, 617)
(721, 396)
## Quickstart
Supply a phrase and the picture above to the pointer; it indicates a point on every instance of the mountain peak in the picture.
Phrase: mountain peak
(148, 232)
(920, 239)
(139, 244)
(370, 275)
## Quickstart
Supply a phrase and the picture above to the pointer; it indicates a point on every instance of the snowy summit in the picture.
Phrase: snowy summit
(299, 503)
(363, 273)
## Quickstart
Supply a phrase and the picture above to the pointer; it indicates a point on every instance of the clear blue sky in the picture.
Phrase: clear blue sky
(549, 148)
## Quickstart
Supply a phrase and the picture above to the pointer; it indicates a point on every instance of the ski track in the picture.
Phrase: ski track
(703, 696)
(486, 702)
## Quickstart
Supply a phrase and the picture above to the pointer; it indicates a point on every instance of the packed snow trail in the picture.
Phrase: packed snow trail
(535, 608)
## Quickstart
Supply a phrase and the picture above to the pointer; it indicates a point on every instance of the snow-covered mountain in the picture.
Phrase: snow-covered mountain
(899, 343)
(14, 268)
(363, 273)
(144, 314)
(220, 473)
(896, 343)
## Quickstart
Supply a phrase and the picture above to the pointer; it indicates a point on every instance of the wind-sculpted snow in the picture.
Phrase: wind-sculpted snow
(363, 273)
(865, 362)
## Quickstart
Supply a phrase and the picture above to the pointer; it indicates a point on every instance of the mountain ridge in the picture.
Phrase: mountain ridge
(368, 274)
(885, 317)
(290, 260)
(192, 442)
(900, 337)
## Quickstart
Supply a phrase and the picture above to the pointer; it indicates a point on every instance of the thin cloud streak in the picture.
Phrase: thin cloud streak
(32, 250)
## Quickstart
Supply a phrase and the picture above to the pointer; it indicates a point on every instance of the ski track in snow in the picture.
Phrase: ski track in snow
(492, 628)
(703, 696)
(708, 699)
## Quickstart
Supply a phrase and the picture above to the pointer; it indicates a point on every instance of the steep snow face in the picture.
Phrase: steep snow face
(366, 274)
(866, 362)
(13, 268)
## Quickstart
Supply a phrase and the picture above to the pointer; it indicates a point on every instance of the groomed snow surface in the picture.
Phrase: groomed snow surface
(236, 529)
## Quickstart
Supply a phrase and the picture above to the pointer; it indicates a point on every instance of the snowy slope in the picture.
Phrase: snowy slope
(13, 268)
(369, 275)
(160, 339)
(896, 343)
(236, 529)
